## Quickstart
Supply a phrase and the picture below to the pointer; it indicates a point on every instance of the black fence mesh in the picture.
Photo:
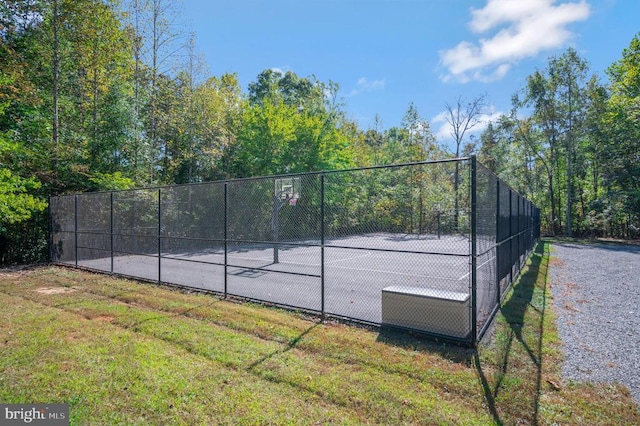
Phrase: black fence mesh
(430, 246)
(63, 228)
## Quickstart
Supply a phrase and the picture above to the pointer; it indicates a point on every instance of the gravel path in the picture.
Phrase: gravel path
(596, 290)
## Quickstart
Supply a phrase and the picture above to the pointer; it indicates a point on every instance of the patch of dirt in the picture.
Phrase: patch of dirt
(554, 261)
(618, 241)
(13, 273)
(18, 271)
(55, 290)
(105, 318)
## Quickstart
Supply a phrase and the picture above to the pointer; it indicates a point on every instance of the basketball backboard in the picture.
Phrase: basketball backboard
(287, 188)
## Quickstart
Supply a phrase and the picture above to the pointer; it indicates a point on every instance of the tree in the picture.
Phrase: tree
(55, 136)
(19, 201)
(559, 100)
(621, 154)
(463, 117)
(304, 93)
(568, 76)
(221, 107)
(156, 44)
(291, 124)
(140, 149)
(419, 138)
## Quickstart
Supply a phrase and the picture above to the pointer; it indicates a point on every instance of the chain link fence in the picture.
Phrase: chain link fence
(429, 247)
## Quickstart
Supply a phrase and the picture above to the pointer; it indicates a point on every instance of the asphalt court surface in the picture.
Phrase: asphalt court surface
(356, 269)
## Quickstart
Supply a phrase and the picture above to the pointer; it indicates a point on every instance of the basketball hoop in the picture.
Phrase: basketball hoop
(293, 201)
(288, 188)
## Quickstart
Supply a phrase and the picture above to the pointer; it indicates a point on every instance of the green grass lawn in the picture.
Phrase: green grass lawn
(123, 352)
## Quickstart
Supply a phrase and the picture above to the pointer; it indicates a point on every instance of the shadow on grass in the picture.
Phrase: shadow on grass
(423, 343)
(523, 334)
(292, 344)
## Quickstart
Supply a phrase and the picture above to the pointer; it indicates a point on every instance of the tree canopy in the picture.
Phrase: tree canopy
(99, 95)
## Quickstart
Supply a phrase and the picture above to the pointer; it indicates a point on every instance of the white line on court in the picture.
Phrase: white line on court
(393, 273)
(367, 254)
(266, 259)
(477, 266)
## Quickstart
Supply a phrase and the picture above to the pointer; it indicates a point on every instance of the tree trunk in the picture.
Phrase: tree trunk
(56, 87)
(553, 202)
(569, 193)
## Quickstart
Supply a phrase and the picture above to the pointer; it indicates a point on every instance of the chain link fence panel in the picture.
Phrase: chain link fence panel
(430, 247)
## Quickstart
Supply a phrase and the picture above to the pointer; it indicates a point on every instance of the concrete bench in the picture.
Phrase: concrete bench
(427, 309)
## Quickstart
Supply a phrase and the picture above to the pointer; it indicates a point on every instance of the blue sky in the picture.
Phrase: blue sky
(385, 54)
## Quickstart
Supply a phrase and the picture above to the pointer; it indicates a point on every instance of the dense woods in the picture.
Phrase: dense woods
(101, 95)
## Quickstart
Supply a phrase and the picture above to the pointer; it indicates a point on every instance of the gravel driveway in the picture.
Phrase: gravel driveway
(596, 290)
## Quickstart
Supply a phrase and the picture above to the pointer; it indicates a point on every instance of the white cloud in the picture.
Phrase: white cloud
(523, 29)
(364, 85)
(282, 70)
(442, 129)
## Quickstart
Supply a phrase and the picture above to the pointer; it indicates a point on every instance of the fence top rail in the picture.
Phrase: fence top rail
(312, 173)
(503, 182)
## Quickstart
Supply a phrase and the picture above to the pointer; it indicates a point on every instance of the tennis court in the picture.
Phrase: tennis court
(345, 243)
(353, 277)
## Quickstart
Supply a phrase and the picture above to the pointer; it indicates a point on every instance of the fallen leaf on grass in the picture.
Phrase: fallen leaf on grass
(555, 386)
(571, 308)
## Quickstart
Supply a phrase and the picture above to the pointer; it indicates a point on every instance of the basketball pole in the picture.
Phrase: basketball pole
(276, 226)
(275, 223)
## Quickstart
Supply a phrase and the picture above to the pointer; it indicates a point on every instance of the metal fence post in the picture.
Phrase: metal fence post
(474, 200)
(111, 228)
(498, 242)
(511, 259)
(159, 235)
(226, 226)
(75, 226)
(322, 231)
(518, 233)
(50, 230)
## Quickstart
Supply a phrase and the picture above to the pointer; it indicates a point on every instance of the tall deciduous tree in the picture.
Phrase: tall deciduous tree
(221, 107)
(419, 138)
(559, 101)
(621, 155)
(157, 44)
(462, 117)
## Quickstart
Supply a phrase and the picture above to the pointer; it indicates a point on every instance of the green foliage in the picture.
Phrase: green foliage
(111, 181)
(574, 152)
(286, 129)
(621, 153)
(18, 199)
(17, 202)
(125, 118)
